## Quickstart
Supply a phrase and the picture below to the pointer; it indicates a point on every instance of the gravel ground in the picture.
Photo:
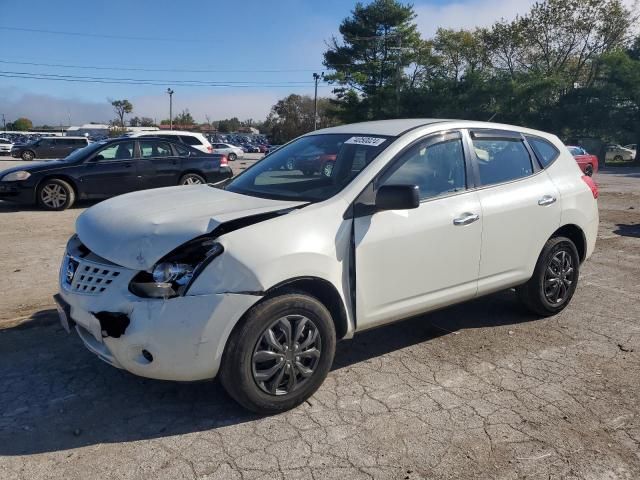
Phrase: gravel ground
(480, 390)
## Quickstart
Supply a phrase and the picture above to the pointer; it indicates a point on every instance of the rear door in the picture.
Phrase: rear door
(520, 208)
(111, 171)
(158, 165)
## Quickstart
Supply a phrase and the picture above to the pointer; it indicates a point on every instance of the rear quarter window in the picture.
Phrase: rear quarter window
(188, 140)
(545, 151)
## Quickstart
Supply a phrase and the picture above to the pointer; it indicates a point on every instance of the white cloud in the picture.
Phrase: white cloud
(474, 13)
(55, 110)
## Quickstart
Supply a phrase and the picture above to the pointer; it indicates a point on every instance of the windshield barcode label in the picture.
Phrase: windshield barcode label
(371, 141)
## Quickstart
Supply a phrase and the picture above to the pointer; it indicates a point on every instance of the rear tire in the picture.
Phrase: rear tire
(192, 179)
(267, 370)
(618, 158)
(56, 194)
(28, 156)
(554, 279)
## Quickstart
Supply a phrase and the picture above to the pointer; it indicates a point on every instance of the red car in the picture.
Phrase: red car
(587, 163)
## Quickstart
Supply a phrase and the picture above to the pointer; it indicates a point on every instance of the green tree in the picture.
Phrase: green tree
(121, 107)
(184, 118)
(379, 41)
(229, 125)
(22, 124)
(293, 116)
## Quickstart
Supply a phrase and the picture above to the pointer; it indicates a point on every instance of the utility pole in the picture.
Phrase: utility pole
(316, 77)
(170, 92)
(4, 124)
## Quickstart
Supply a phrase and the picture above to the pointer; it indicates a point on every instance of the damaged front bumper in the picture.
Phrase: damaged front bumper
(181, 338)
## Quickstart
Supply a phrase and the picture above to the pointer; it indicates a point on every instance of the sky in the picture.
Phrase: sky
(222, 58)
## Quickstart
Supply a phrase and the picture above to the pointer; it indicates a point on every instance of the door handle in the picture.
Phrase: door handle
(466, 218)
(546, 200)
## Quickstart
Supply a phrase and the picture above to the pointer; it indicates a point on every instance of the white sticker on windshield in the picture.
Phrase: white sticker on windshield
(371, 141)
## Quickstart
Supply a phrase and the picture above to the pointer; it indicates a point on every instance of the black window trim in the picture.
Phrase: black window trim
(526, 137)
(497, 134)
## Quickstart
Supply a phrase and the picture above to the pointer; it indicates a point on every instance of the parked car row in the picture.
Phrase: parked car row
(111, 167)
(48, 147)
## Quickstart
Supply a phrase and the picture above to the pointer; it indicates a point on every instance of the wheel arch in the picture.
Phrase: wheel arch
(58, 176)
(576, 235)
(320, 289)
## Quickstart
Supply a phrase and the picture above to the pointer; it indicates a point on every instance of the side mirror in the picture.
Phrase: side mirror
(398, 197)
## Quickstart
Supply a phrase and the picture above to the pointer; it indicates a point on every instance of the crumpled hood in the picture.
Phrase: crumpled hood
(137, 229)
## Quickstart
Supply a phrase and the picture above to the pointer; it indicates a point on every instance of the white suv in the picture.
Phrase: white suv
(195, 140)
(255, 280)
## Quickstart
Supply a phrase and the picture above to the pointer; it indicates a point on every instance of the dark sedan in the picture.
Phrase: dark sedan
(111, 167)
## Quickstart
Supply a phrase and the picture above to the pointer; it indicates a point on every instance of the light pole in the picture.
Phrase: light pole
(4, 124)
(316, 77)
(170, 92)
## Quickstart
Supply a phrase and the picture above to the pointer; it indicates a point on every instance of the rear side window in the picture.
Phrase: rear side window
(181, 151)
(436, 168)
(188, 140)
(151, 149)
(502, 159)
(544, 150)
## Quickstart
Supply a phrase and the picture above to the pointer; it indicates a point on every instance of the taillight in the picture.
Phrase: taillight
(210, 148)
(224, 161)
(591, 184)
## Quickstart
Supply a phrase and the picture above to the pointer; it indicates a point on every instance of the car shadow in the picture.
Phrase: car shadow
(628, 230)
(10, 207)
(55, 395)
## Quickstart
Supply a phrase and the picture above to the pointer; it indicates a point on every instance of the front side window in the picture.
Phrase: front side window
(436, 168)
(118, 151)
(311, 168)
(545, 151)
(502, 159)
(151, 148)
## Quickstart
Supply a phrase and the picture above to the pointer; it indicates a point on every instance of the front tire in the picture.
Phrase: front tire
(55, 194)
(28, 155)
(232, 157)
(280, 354)
(554, 279)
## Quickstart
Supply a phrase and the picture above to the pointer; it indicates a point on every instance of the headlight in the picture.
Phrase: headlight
(16, 176)
(174, 274)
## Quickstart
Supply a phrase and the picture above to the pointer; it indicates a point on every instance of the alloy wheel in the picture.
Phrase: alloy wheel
(286, 354)
(53, 195)
(558, 277)
(192, 180)
(588, 171)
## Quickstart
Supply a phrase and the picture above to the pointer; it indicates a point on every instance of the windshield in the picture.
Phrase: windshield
(83, 152)
(311, 168)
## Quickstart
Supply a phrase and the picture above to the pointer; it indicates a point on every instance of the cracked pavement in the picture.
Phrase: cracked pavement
(479, 390)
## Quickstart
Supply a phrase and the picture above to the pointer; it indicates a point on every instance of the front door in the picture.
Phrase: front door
(111, 171)
(411, 261)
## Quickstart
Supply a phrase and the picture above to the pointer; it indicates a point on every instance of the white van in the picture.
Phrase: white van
(195, 140)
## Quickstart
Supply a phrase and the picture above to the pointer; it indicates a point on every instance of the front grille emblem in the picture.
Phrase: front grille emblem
(70, 271)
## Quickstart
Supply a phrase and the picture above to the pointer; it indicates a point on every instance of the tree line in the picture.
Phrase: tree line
(571, 67)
